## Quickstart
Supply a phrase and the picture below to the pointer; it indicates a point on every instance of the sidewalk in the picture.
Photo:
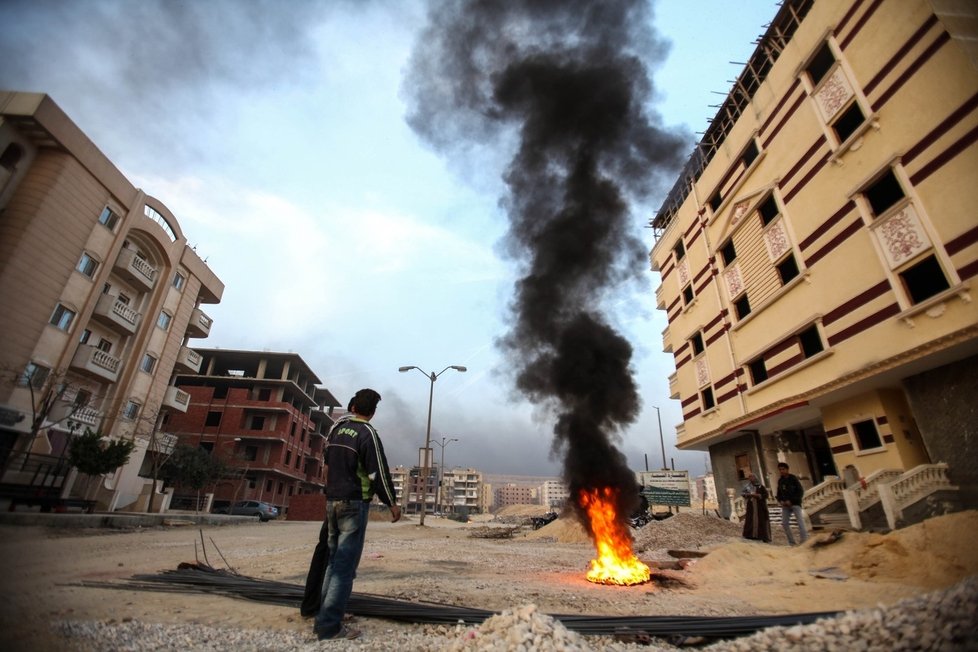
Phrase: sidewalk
(119, 520)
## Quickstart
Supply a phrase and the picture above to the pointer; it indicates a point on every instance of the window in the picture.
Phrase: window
(85, 336)
(34, 375)
(707, 396)
(787, 269)
(867, 437)
(108, 219)
(250, 453)
(148, 364)
(742, 306)
(221, 392)
(257, 423)
(688, 295)
(179, 280)
(883, 193)
(696, 341)
(288, 457)
(104, 345)
(924, 279)
(264, 394)
(131, 411)
(163, 321)
(679, 250)
(82, 397)
(62, 317)
(124, 299)
(87, 265)
(207, 446)
(820, 64)
(716, 200)
(848, 122)
(758, 371)
(728, 253)
(768, 210)
(213, 418)
(810, 341)
(750, 153)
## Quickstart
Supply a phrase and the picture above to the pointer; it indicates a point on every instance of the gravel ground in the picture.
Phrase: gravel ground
(942, 620)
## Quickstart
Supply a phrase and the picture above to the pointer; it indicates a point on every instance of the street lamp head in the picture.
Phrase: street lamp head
(458, 367)
(403, 369)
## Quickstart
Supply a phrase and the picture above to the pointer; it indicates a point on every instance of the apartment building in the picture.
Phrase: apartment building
(818, 252)
(553, 494)
(100, 296)
(265, 416)
(516, 494)
(462, 491)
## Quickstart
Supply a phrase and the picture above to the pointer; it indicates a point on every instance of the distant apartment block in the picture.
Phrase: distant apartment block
(462, 491)
(100, 298)
(264, 415)
(819, 254)
(553, 494)
(516, 494)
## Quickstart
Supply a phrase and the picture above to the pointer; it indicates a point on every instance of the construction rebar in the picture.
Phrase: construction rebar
(197, 578)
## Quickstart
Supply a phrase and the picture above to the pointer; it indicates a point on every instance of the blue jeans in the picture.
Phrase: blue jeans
(346, 521)
(786, 513)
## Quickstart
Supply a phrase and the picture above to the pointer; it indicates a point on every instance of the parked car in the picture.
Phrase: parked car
(264, 511)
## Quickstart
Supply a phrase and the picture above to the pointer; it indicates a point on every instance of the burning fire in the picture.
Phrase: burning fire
(616, 562)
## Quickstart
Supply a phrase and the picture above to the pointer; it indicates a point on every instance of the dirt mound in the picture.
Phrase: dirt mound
(565, 529)
(686, 531)
(522, 510)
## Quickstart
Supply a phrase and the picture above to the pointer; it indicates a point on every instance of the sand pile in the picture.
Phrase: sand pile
(565, 529)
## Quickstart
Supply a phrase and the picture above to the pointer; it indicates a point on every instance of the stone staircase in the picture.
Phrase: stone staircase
(885, 500)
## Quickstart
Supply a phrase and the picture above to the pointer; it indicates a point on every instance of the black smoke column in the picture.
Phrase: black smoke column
(564, 85)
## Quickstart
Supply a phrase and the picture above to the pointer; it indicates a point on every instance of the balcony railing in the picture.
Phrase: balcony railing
(136, 270)
(188, 360)
(177, 399)
(116, 314)
(200, 324)
(95, 362)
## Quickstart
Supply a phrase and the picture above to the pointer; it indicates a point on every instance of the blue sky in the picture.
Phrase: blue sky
(276, 134)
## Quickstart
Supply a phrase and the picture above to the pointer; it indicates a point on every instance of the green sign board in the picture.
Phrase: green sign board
(661, 496)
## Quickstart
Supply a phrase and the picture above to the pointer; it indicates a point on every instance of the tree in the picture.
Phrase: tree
(192, 467)
(91, 456)
(46, 390)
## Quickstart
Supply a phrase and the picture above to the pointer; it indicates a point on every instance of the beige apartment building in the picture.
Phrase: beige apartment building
(100, 296)
(462, 491)
(818, 259)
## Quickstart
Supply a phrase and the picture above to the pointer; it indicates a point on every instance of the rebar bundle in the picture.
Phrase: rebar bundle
(200, 578)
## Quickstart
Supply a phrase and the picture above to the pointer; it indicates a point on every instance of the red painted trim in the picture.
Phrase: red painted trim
(943, 38)
(860, 299)
(863, 324)
(902, 52)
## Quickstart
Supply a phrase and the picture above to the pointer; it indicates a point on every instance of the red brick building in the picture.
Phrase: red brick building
(263, 414)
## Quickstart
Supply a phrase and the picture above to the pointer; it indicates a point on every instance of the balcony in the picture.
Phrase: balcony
(674, 386)
(188, 360)
(163, 443)
(176, 398)
(135, 270)
(96, 363)
(200, 324)
(116, 315)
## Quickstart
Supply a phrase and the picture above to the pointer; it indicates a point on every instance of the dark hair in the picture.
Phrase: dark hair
(365, 402)
(783, 465)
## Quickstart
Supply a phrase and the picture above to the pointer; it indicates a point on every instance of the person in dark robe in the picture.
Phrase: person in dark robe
(757, 520)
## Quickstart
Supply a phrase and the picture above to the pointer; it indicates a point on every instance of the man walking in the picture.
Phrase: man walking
(357, 470)
(790, 493)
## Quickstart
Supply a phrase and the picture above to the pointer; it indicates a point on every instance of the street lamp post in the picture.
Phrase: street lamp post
(441, 471)
(662, 441)
(425, 469)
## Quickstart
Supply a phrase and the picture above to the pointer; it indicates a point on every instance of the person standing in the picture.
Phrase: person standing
(757, 520)
(358, 470)
(790, 493)
(312, 598)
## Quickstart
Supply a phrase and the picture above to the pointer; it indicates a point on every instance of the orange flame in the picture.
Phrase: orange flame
(616, 562)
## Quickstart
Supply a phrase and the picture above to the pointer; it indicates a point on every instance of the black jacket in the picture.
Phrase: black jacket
(357, 466)
(790, 489)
